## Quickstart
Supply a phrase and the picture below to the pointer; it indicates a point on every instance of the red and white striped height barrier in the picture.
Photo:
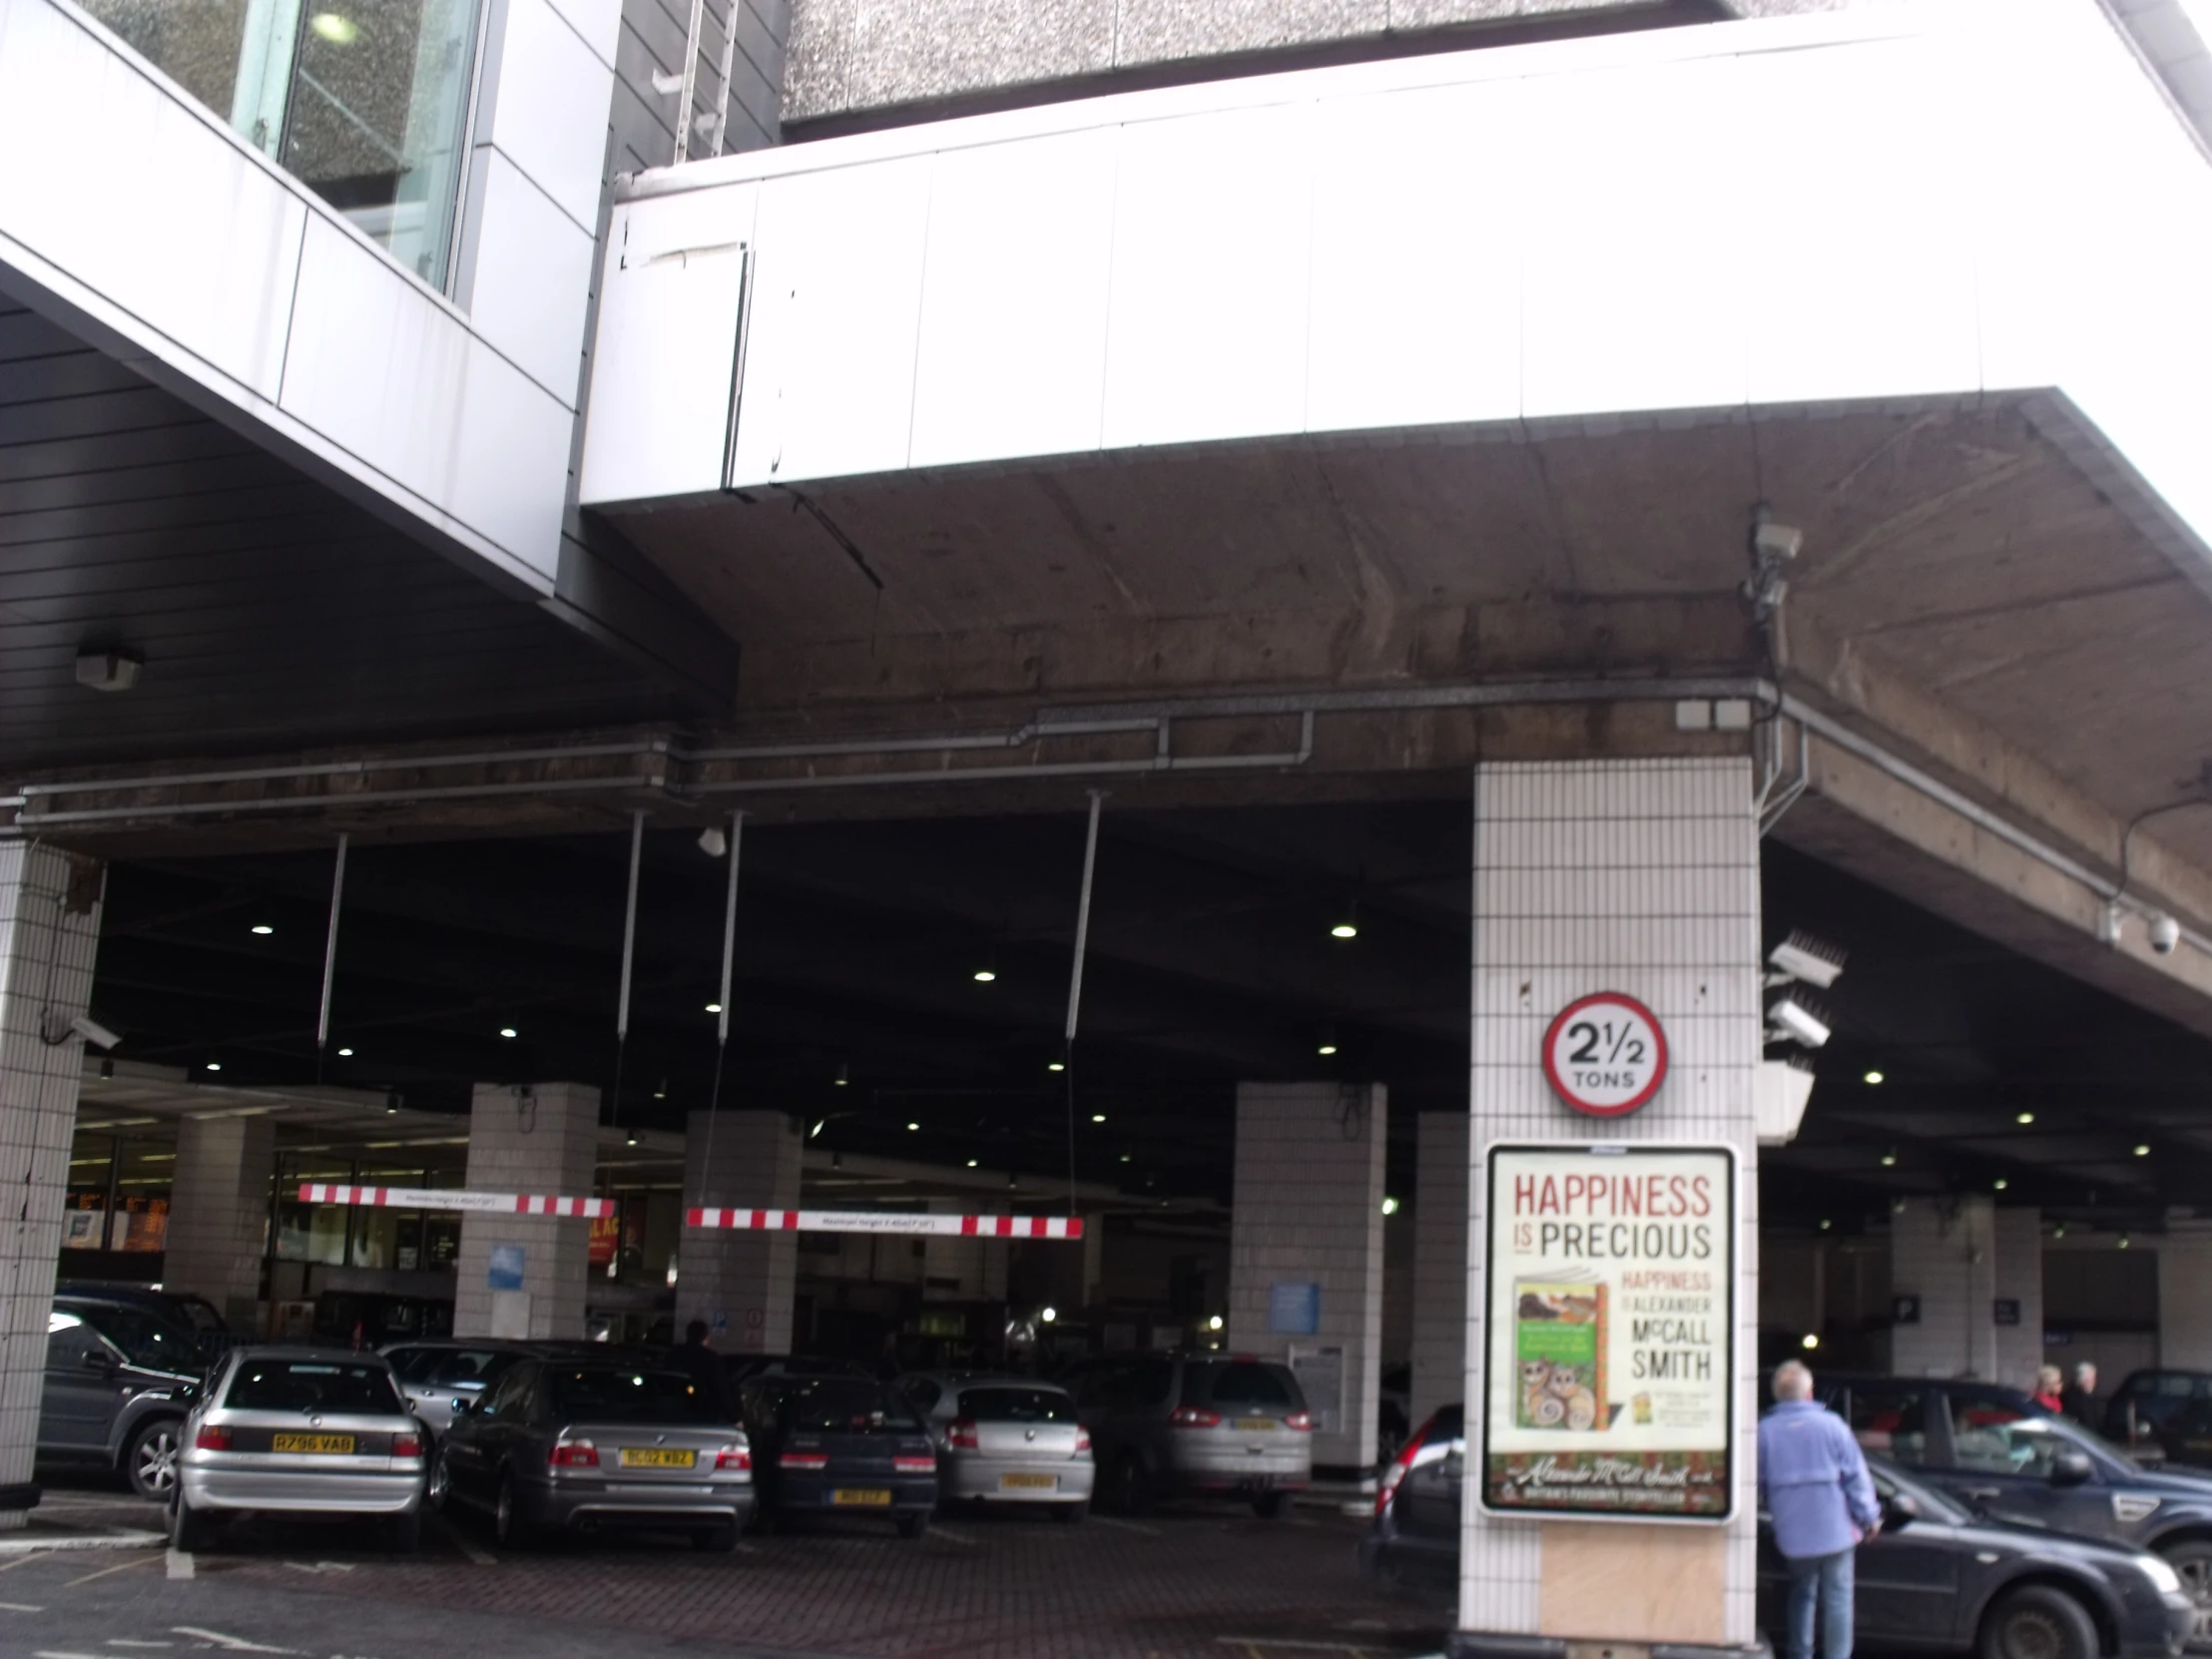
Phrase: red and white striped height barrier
(893, 1222)
(452, 1198)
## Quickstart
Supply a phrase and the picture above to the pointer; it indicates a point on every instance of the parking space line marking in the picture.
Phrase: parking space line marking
(133, 1641)
(19, 1607)
(229, 1644)
(120, 1566)
(1127, 1526)
(466, 1545)
(180, 1564)
(947, 1532)
(57, 1653)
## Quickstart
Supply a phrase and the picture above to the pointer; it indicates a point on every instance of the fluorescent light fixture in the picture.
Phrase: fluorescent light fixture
(713, 1008)
(507, 1031)
(345, 1055)
(1055, 1066)
(1098, 1117)
(264, 928)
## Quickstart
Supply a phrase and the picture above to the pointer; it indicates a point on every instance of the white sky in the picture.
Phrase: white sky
(2200, 13)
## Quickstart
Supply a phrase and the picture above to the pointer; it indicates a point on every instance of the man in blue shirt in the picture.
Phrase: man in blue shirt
(1812, 1482)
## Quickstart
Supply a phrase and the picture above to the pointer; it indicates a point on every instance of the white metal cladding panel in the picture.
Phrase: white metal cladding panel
(1012, 352)
(38, 1120)
(403, 386)
(532, 278)
(549, 111)
(155, 208)
(671, 289)
(830, 362)
(1669, 913)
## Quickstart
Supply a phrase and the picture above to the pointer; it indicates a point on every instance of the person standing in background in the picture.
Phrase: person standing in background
(1812, 1480)
(2051, 1390)
(2081, 1398)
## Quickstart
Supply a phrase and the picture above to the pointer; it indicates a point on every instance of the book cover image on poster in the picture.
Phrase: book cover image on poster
(1611, 1331)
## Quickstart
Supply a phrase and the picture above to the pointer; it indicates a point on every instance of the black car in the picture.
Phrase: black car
(119, 1380)
(193, 1316)
(845, 1445)
(2145, 1410)
(1936, 1577)
(1996, 1452)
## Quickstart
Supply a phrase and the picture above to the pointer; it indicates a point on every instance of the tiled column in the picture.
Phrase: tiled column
(1439, 1351)
(218, 1214)
(1637, 876)
(2020, 1240)
(1308, 1213)
(49, 930)
(1958, 1256)
(540, 1138)
(741, 1282)
(2184, 1302)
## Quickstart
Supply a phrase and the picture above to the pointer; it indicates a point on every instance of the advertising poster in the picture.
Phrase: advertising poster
(1612, 1331)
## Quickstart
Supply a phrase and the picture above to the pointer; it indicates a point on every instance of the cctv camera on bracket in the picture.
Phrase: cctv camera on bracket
(1796, 1019)
(94, 1032)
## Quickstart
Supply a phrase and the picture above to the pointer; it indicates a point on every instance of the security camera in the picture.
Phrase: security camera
(1775, 543)
(1802, 956)
(94, 1032)
(2165, 934)
(1791, 1020)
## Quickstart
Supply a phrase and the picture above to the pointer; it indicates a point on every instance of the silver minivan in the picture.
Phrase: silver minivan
(1195, 1424)
(1006, 1439)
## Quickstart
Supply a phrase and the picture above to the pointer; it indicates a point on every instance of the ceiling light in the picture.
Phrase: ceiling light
(1888, 1160)
(1825, 1224)
(1349, 926)
(1874, 1079)
(714, 842)
(506, 1032)
(345, 1055)
(264, 928)
(912, 1128)
(713, 1008)
(214, 1065)
(2058, 1232)
(1390, 1206)
(985, 975)
(1055, 1066)
(337, 30)
(2024, 1117)
(2122, 1244)
(1049, 1314)
(971, 1163)
(1125, 1157)
(844, 1075)
(2142, 1151)
(391, 1102)
(1327, 1043)
(1999, 1184)
(661, 1093)
(632, 1139)
(819, 1126)
(1098, 1117)
(1326, 1048)
(1809, 1341)
(1214, 1323)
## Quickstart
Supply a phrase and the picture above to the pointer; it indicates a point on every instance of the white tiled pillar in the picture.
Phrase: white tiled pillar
(1942, 1252)
(530, 1138)
(1439, 1351)
(1637, 876)
(49, 930)
(2019, 1254)
(1308, 1212)
(218, 1214)
(742, 1283)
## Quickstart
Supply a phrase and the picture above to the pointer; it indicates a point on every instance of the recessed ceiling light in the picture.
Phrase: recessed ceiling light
(1326, 1048)
(2000, 1182)
(1055, 1066)
(984, 975)
(2024, 1117)
(345, 1055)
(1098, 1117)
(2143, 1151)
(912, 1128)
(1888, 1160)
(214, 1065)
(264, 928)
(713, 1008)
(971, 1163)
(1125, 1157)
(506, 1032)
(1874, 1079)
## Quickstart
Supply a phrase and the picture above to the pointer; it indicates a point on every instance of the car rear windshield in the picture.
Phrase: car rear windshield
(614, 1394)
(843, 1406)
(1016, 1406)
(1249, 1382)
(312, 1385)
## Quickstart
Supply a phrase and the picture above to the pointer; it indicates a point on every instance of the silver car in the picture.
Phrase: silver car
(1006, 1439)
(445, 1376)
(1196, 1425)
(299, 1430)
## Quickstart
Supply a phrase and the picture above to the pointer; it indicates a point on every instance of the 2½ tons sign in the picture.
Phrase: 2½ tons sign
(1606, 1054)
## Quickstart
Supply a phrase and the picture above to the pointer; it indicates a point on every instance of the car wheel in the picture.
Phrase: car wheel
(405, 1532)
(2039, 1621)
(509, 1527)
(1274, 1506)
(914, 1525)
(151, 1461)
(2194, 1562)
(188, 1531)
(1068, 1514)
(437, 1487)
(714, 1540)
(1132, 1486)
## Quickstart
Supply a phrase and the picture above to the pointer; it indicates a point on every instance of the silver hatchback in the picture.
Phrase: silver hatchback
(300, 1432)
(1006, 1439)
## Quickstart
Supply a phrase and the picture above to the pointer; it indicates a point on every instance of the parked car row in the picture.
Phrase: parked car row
(544, 1439)
(2006, 1530)
(118, 1360)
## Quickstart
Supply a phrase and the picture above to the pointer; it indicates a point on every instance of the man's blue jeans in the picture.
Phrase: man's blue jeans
(1826, 1581)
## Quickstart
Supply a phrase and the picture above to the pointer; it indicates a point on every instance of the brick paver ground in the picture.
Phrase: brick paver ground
(1176, 1586)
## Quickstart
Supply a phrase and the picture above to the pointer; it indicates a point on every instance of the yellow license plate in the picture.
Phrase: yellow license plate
(1254, 1425)
(340, 1445)
(1028, 1483)
(866, 1498)
(657, 1457)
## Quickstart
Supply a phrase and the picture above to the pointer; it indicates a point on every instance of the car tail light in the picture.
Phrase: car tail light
(733, 1458)
(962, 1436)
(406, 1445)
(1303, 1421)
(213, 1440)
(804, 1460)
(1387, 1490)
(1082, 1440)
(1190, 1417)
(573, 1454)
(914, 1465)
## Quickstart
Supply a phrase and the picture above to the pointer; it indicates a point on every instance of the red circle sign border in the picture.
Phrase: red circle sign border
(1612, 999)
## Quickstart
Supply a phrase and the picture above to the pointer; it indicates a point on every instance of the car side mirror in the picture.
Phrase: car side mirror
(2071, 1469)
(101, 1360)
(1900, 1511)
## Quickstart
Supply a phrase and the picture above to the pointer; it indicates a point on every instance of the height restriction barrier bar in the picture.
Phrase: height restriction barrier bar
(453, 1198)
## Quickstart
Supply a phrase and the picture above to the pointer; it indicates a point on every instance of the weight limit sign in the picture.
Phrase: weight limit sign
(1605, 1055)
